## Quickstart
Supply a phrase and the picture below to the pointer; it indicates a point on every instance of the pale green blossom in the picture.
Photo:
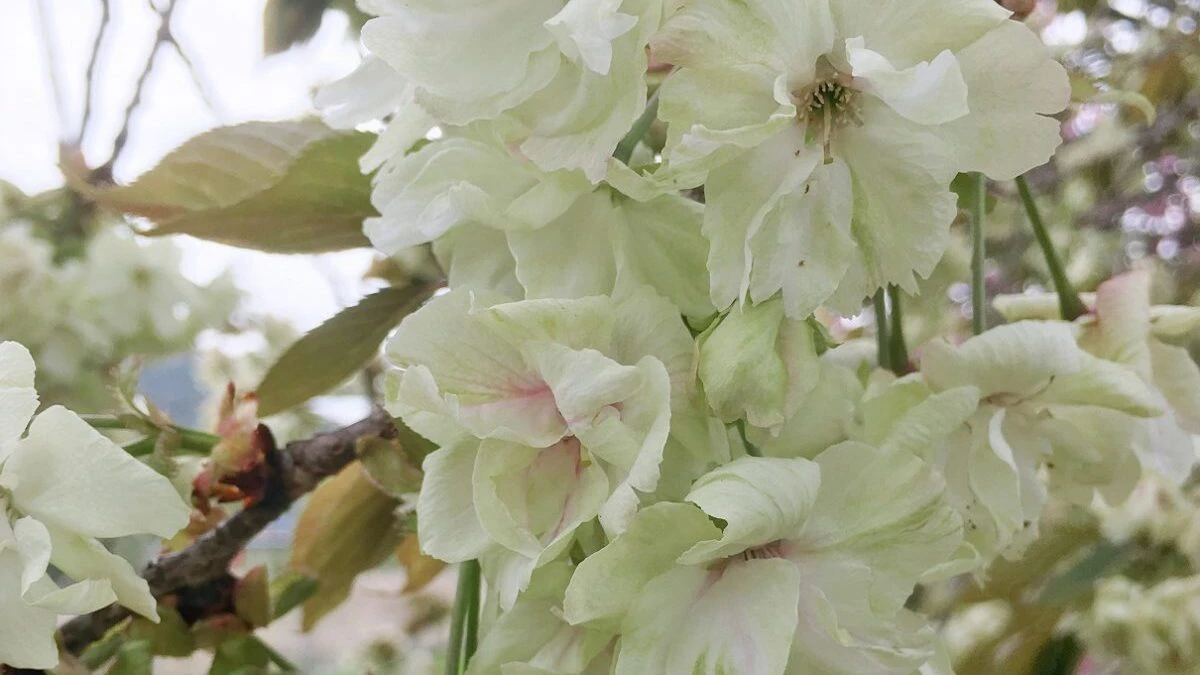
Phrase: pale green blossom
(469, 60)
(807, 572)
(63, 486)
(549, 413)
(827, 133)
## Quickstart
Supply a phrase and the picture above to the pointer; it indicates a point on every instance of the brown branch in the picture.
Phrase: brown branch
(295, 470)
(104, 173)
(89, 80)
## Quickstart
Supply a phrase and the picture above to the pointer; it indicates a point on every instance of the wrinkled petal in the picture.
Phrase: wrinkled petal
(18, 398)
(739, 619)
(823, 419)
(585, 30)
(608, 582)
(1017, 359)
(448, 527)
(83, 558)
(930, 92)
(761, 499)
(65, 474)
(26, 632)
(1008, 130)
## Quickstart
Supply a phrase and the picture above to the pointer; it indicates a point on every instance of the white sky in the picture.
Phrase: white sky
(223, 38)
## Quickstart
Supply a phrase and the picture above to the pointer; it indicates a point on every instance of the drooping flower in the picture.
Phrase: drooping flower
(809, 572)
(567, 75)
(1125, 328)
(549, 414)
(62, 486)
(827, 134)
(1045, 405)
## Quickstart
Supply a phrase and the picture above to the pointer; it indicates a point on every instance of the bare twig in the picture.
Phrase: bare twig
(203, 87)
(90, 79)
(296, 470)
(104, 173)
(49, 53)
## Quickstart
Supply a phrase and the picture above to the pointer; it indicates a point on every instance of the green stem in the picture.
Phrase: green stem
(629, 143)
(463, 626)
(1069, 303)
(881, 331)
(751, 449)
(190, 440)
(897, 347)
(978, 208)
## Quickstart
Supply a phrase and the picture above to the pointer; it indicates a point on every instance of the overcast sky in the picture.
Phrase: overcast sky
(223, 38)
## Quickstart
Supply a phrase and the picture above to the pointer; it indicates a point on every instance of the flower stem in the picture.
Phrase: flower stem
(897, 347)
(464, 621)
(190, 440)
(881, 331)
(1069, 303)
(978, 209)
(629, 143)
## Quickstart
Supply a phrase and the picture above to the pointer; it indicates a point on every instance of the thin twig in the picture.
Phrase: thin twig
(104, 173)
(205, 90)
(89, 81)
(49, 53)
(978, 209)
(296, 470)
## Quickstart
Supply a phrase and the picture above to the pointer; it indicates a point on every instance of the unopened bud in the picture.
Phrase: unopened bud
(1019, 8)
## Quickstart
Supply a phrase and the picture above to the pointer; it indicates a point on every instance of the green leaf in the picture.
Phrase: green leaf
(290, 590)
(347, 527)
(281, 187)
(1059, 656)
(240, 655)
(389, 466)
(171, 636)
(135, 657)
(337, 349)
(1077, 581)
(290, 22)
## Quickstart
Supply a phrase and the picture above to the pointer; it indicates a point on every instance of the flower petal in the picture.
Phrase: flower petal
(609, 581)
(65, 474)
(26, 632)
(739, 619)
(18, 398)
(447, 525)
(761, 499)
(1013, 85)
(83, 558)
(930, 92)
(1017, 358)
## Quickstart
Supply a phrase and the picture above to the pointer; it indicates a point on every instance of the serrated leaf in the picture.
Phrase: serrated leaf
(290, 22)
(419, 569)
(289, 590)
(337, 349)
(281, 187)
(347, 528)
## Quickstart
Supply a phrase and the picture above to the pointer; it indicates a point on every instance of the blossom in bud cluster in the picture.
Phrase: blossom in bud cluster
(1142, 629)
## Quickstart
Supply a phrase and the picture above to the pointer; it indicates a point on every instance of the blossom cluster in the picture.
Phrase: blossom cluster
(63, 487)
(645, 436)
(81, 316)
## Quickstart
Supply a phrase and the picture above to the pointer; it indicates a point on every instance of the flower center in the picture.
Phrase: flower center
(828, 104)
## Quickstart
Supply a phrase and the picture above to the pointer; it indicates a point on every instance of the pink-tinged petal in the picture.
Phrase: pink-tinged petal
(738, 618)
